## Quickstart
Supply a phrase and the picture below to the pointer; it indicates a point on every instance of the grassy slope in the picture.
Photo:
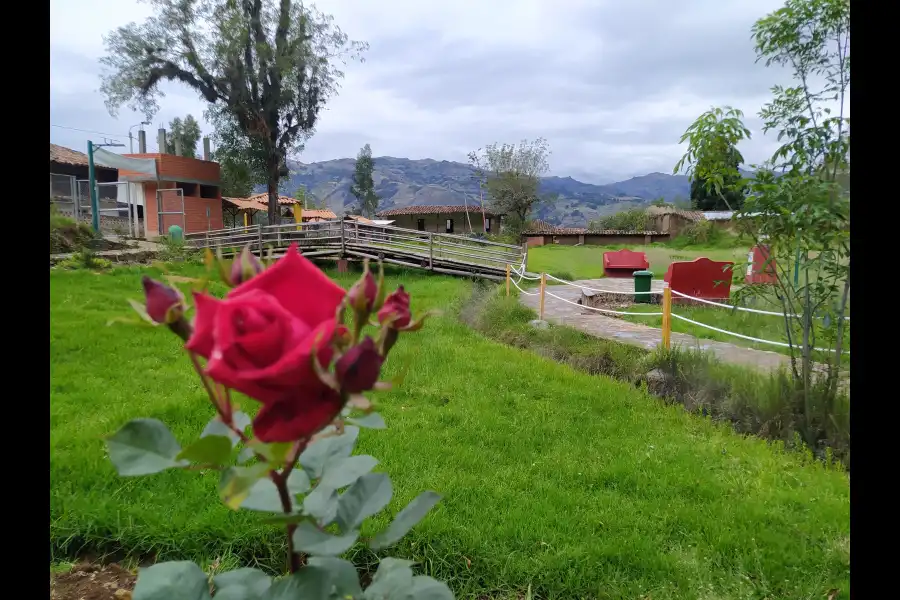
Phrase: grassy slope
(579, 485)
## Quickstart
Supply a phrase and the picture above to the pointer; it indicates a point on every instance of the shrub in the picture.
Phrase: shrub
(67, 235)
(635, 219)
(85, 259)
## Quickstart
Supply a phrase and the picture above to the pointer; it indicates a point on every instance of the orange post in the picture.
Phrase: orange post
(507, 280)
(667, 317)
(543, 287)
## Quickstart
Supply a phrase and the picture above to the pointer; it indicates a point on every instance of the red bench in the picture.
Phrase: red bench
(700, 278)
(623, 263)
(761, 267)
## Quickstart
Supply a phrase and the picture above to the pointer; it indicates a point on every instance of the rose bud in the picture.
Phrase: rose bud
(164, 304)
(358, 369)
(363, 294)
(395, 312)
(245, 267)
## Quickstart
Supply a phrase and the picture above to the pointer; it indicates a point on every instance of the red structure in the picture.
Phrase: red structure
(623, 263)
(700, 278)
(186, 193)
(761, 266)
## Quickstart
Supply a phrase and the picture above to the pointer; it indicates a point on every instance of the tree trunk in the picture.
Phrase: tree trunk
(272, 185)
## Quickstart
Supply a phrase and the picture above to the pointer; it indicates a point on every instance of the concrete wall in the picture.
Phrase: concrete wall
(194, 218)
(436, 223)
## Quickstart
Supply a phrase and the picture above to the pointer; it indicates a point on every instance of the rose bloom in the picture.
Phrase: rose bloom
(260, 339)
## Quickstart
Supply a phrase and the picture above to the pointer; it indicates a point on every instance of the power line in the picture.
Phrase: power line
(118, 135)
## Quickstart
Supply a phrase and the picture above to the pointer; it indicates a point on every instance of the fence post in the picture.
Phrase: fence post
(507, 279)
(342, 237)
(259, 230)
(431, 251)
(543, 287)
(667, 316)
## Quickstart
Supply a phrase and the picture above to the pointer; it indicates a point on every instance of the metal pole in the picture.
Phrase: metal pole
(130, 143)
(95, 205)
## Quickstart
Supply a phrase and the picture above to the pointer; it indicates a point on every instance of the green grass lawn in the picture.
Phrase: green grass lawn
(586, 262)
(580, 486)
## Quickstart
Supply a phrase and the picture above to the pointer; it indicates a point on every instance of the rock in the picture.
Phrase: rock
(657, 381)
(539, 324)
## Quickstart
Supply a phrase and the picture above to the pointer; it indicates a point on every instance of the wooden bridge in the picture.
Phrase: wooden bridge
(346, 239)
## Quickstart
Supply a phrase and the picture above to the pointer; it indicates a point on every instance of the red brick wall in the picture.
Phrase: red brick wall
(535, 240)
(176, 168)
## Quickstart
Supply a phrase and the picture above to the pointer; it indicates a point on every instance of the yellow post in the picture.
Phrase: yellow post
(298, 215)
(246, 219)
(667, 317)
(543, 287)
(507, 280)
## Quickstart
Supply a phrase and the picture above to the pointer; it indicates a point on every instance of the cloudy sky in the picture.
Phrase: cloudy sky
(611, 84)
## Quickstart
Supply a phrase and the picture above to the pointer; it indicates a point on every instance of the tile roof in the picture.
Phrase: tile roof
(443, 209)
(690, 215)
(261, 202)
(67, 156)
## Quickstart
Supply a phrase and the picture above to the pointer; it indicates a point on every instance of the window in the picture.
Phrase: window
(420, 224)
(209, 191)
(487, 224)
(449, 225)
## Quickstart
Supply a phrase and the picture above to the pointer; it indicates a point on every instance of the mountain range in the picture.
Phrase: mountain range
(401, 182)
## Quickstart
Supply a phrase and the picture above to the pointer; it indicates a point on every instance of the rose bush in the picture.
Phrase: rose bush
(293, 341)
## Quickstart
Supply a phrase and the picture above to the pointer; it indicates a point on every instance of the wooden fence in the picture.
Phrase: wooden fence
(439, 252)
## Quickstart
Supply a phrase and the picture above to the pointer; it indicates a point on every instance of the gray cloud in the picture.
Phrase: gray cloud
(611, 85)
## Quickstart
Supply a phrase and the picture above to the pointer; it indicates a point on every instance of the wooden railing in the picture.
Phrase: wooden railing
(444, 253)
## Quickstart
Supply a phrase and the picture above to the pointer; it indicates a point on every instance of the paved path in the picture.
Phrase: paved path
(557, 311)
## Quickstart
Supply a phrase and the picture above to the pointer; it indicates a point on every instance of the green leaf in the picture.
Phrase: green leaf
(275, 454)
(241, 584)
(142, 447)
(368, 495)
(210, 450)
(322, 577)
(370, 421)
(343, 575)
(183, 580)
(244, 455)
(393, 579)
(314, 458)
(217, 427)
(236, 483)
(405, 520)
(263, 496)
(428, 588)
(310, 539)
(343, 472)
(322, 505)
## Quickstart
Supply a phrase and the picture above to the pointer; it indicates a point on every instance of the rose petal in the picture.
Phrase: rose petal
(297, 416)
(201, 341)
(300, 287)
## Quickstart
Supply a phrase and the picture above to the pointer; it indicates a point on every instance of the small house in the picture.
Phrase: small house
(459, 219)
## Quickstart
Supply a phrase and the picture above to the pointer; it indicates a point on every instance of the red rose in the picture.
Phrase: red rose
(363, 293)
(163, 303)
(395, 312)
(260, 340)
(358, 369)
(244, 267)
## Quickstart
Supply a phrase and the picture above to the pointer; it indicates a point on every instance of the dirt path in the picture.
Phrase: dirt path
(563, 313)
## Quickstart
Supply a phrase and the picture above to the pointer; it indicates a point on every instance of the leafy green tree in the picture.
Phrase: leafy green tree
(187, 131)
(267, 68)
(363, 187)
(511, 176)
(798, 201)
(716, 180)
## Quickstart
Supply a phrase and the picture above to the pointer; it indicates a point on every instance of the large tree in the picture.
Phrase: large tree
(187, 132)
(363, 186)
(267, 66)
(704, 196)
(511, 176)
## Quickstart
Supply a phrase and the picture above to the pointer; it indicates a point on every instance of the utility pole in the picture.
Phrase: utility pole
(92, 182)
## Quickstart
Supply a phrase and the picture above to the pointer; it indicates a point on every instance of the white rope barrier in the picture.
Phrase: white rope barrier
(741, 308)
(523, 291)
(606, 310)
(742, 336)
(573, 284)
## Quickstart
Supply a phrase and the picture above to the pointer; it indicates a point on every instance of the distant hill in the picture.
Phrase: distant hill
(403, 182)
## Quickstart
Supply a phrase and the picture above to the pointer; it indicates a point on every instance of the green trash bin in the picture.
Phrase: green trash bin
(643, 282)
(176, 235)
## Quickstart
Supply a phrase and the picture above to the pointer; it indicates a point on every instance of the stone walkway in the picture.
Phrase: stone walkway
(613, 328)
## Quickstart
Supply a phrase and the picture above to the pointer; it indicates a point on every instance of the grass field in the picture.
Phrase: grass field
(586, 262)
(580, 486)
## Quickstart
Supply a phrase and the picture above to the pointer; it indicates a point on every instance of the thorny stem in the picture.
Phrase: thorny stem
(280, 481)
